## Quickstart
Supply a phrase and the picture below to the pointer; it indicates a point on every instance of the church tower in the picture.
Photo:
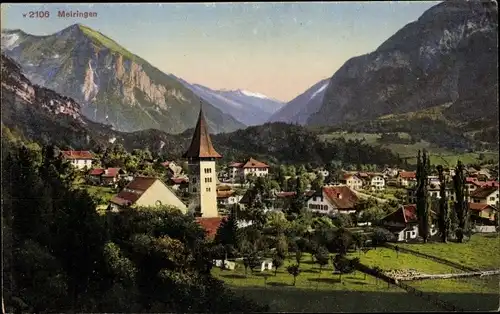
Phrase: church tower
(201, 157)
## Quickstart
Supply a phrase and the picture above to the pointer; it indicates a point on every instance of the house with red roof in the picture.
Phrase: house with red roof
(403, 223)
(227, 197)
(145, 192)
(483, 213)
(406, 178)
(352, 181)
(486, 195)
(109, 176)
(239, 171)
(78, 158)
(332, 200)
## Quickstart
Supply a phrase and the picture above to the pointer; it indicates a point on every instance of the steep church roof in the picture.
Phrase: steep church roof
(201, 144)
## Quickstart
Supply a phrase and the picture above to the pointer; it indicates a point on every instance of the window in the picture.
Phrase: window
(193, 180)
(492, 198)
(207, 170)
(194, 190)
(207, 189)
(208, 180)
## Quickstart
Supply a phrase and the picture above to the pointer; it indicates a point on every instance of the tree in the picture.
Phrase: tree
(423, 168)
(461, 205)
(343, 265)
(298, 256)
(444, 219)
(278, 261)
(293, 270)
(343, 240)
(251, 261)
(227, 235)
(381, 236)
(321, 257)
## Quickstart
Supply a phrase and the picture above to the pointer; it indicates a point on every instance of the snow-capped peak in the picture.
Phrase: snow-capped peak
(322, 88)
(252, 94)
(9, 41)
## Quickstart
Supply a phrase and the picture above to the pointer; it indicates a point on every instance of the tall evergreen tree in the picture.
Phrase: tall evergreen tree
(444, 219)
(461, 205)
(422, 195)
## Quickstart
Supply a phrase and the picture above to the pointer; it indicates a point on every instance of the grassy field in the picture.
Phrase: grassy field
(482, 251)
(472, 294)
(388, 259)
(315, 292)
(439, 155)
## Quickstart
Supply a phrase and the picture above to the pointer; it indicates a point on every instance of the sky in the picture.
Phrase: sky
(276, 49)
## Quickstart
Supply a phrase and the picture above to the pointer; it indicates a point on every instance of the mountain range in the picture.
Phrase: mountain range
(34, 113)
(250, 108)
(440, 69)
(446, 61)
(113, 85)
(301, 107)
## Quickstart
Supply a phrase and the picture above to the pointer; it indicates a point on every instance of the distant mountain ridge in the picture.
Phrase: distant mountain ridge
(301, 107)
(249, 108)
(113, 85)
(448, 56)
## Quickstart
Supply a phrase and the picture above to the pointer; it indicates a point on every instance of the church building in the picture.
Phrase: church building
(201, 157)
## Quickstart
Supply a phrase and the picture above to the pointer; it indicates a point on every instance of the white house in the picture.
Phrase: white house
(79, 159)
(332, 200)
(227, 197)
(486, 195)
(406, 178)
(403, 223)
(433, 192)
(352, 181)
(239, 171)
(377, 182)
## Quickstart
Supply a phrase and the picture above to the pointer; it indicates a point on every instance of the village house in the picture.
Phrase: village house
(377, 181)
(332, 200)
(147, 192)
(390, 173)
(433, 191)
(482, 213)
(406, 178)
(79, 159)
(485, 195)
(352, 181)
(227, 198)
(403, 223)
(108, 177)
(239, 171)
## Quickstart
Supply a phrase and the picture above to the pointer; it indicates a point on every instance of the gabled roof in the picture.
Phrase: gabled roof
(224, 193)
(483, 192)
(407, 175)
(253, 163)
(346, 176)
(201, 144)
(77, 154)
(111, 172)
(210, 224)
(342, 197)
(133, 191)
(236, 164)
(480, 206)
(404, 214)
(96, 171)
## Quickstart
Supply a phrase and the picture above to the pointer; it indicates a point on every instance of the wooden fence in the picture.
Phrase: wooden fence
(436, 301)
(448, 276)
(434, 258)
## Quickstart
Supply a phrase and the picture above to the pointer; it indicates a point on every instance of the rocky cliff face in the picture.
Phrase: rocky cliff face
(113, 85)
(449, 55)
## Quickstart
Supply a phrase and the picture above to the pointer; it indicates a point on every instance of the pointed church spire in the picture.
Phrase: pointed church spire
(201, 144)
